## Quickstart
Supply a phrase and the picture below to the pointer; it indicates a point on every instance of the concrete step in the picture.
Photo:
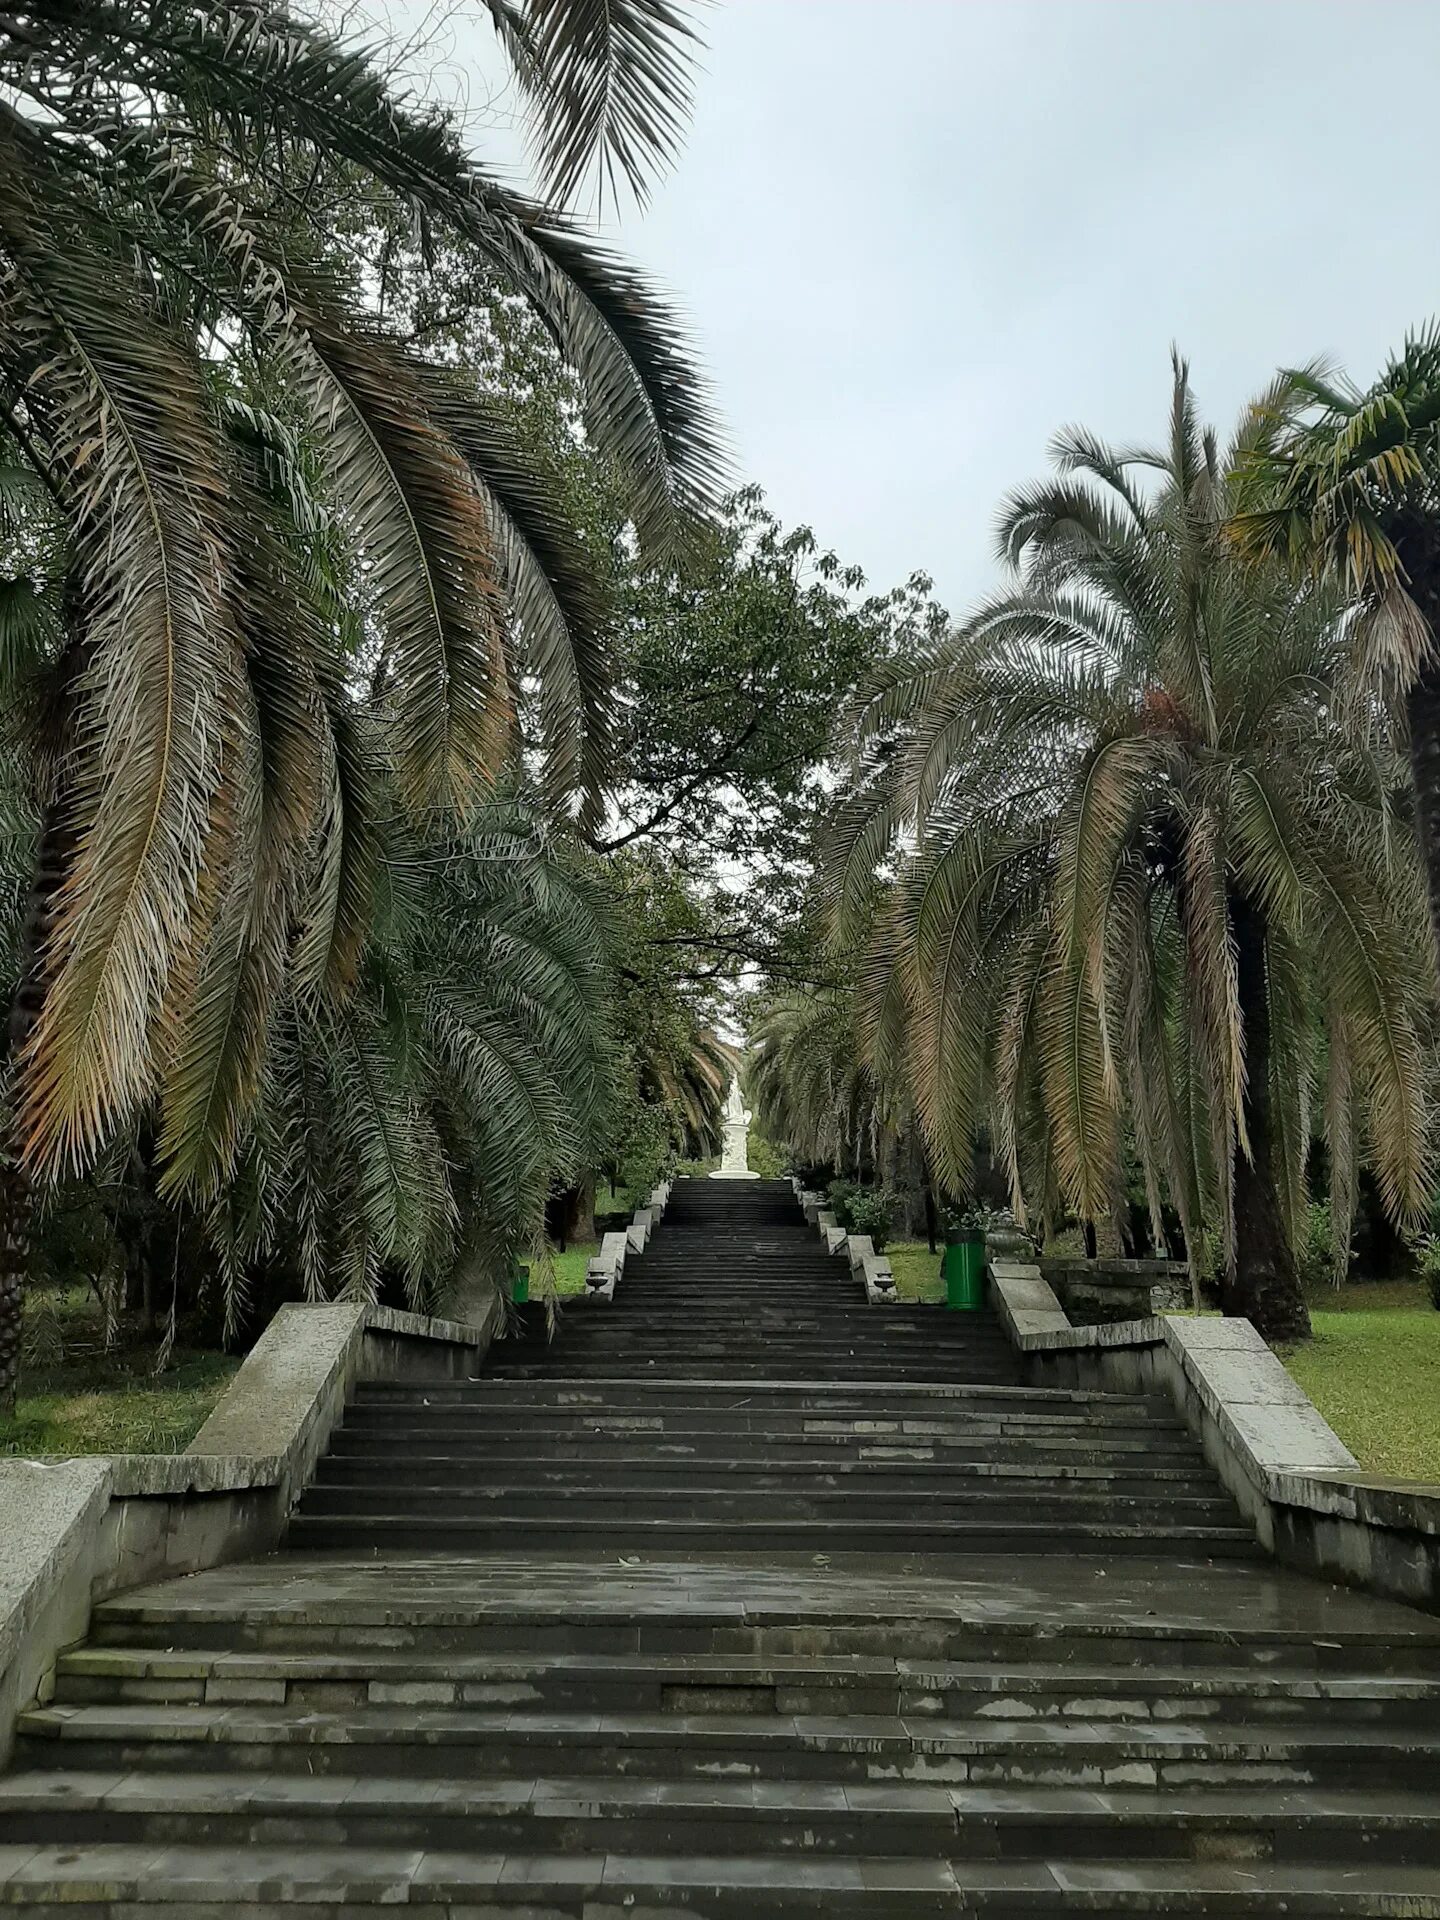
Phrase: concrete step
(381, 1530)
(820, 1452)
(871, 1608)
(345, 1884)
(776, 1399)
(652, 1467)
(842, 1749)
(863, 1370)
(782, 1684)
(567, 1815)
(740, 1403)
(957, 1502)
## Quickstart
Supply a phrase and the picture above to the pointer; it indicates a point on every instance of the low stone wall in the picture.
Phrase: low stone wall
(74, 1531)
(1093, 1292)
(1296, 1482)
(603, 1273)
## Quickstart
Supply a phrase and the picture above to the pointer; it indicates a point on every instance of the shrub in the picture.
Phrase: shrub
(872, 1210)
(1427, 1259)
(840, 1193)
(1315, 1255)
(764, 1157)
(971, 1217)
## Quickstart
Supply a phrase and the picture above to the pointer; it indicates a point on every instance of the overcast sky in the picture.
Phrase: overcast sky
(914, 237)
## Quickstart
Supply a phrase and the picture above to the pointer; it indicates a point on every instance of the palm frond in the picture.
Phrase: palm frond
(611, 85)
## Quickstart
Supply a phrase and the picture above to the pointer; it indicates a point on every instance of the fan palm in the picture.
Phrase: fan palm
(1346, 483)
(1125, 868)
(203, 756)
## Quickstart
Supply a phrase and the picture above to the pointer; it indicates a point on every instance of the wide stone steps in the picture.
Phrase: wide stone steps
(328, 1883)
(843, 1749)
(923, 1469)
(660, 1469)
(804, 1395)
(558, 1815)
(379, 1529)
(696, 1611)
(700, 1497)
(778, 1365)
(740, 1598)
(459, 1613)
(780, 1684)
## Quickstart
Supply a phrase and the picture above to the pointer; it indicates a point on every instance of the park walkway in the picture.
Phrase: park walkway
(742, 1597)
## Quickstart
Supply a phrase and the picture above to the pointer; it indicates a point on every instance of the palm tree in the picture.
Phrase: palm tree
(1126, 869)
(414, 1129)
(1346, 484)
(810, 1087)
(689, 1085)
(178, 337)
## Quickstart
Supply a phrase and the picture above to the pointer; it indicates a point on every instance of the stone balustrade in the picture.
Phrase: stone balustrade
(871, 1268)
(1094, 1292)
(75, 1531)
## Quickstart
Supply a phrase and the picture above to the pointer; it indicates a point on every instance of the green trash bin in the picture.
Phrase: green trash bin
(520, 1286)
(964, 1270)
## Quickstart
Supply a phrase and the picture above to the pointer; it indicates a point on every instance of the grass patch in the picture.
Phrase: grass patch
(568, 1267)
(916, 1271)
(77, 1396)
(1373, 1370)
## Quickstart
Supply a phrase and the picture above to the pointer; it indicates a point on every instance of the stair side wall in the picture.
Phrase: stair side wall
(76, 1531)
(1296, 1482)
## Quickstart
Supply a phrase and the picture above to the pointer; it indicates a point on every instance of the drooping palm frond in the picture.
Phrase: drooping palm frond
(434, 575)
(558, 598)
(810, 1088)
(134, 452)
(425, 1117)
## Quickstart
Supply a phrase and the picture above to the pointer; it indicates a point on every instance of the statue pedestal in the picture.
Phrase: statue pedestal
(734, 1162)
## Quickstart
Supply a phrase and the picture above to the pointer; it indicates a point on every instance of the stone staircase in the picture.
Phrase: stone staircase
(674, 1616)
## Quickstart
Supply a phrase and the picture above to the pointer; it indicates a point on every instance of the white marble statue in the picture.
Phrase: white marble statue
(734, 1164)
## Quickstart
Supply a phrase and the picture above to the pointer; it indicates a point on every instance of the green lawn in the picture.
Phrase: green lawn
(78, 1397)
(916, 1270)
(1373, 1370)
(568, 1268)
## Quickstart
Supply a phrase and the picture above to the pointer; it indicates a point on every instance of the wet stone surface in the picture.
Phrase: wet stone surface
(735, 1615)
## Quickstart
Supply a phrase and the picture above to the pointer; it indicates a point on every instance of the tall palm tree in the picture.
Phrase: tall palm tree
(1346, 483)
(177, 335)
(1134, 873)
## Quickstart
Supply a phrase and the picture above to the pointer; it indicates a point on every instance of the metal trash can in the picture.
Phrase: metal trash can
(964, 1270)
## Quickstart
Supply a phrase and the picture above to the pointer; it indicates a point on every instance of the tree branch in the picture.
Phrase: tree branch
(686, 792)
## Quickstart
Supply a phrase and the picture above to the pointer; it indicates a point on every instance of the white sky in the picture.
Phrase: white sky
(916, 236)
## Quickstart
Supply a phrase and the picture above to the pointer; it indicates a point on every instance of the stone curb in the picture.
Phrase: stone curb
(1292, 1476)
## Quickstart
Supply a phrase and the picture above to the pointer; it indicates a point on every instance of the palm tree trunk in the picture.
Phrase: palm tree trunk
(15, 1217)
(1265, 1286)
(1423, 705)
(17, 1195)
